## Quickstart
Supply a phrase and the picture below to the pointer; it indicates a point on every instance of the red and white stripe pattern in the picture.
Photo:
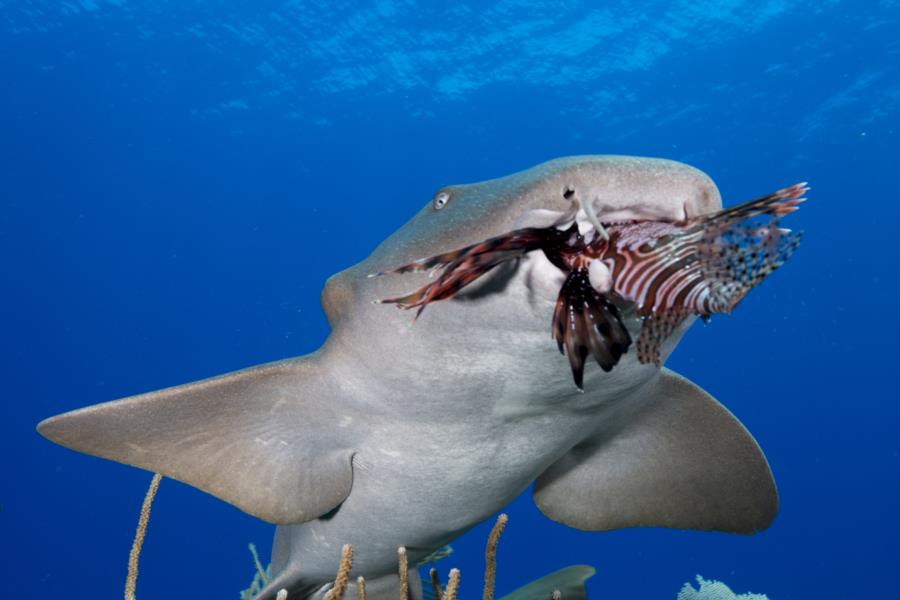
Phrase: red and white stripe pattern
(700, 266)
(667, 270)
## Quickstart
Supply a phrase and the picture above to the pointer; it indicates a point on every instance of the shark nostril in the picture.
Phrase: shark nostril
(568, 192)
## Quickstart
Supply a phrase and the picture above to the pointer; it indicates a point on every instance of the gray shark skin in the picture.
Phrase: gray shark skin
(407, 433)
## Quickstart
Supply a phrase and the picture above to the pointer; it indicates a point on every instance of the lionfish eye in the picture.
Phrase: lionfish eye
(441, 200)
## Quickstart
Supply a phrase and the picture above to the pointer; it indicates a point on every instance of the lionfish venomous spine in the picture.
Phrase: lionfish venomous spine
(666, 271)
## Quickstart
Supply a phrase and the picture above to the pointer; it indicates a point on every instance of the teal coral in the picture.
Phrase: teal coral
(714, 590)
(260, 578)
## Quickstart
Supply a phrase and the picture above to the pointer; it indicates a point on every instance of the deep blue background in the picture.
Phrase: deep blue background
(178, 179)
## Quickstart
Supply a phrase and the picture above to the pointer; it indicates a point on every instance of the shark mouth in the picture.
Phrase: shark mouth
(665, 271)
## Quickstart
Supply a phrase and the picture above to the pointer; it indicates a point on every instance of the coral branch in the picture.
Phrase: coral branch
(259, 568)
(343, 574)
(135, 555)
(452, 586)
(404, 573)
(435, 582)
(490, 557)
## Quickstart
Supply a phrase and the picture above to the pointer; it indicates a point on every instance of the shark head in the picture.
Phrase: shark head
(505, 345)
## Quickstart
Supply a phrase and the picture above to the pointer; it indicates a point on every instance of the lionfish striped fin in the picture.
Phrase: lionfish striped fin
(519, 240)
(703, 266)
(777, 204)
(586, 322)
(463, 266)
(736, 253)
(654, 331)
(426, 264)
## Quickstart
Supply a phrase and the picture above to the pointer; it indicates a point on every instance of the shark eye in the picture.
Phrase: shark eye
(441, 200)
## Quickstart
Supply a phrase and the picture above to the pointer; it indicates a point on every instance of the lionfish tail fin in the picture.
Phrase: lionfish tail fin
(586, 322)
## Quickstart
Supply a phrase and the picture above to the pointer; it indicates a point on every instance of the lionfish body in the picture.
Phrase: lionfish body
(664, 271)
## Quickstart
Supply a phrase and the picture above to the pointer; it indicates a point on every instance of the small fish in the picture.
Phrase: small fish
(663, 271)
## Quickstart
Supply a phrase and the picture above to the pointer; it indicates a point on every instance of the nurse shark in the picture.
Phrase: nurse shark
(408, 432)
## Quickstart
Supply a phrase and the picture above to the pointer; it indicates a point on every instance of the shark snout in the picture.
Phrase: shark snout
(600, 190)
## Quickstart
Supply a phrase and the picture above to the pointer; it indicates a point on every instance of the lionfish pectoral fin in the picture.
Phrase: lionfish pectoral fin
(709, 265)
(654, 331)
(426, 264)
(777, 204)
(586, 322)
(737, 251)
(465, 265)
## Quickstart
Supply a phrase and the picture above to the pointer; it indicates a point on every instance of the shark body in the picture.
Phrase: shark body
(408, 433)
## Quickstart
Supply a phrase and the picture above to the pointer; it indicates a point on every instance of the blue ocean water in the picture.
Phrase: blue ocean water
(178, 179)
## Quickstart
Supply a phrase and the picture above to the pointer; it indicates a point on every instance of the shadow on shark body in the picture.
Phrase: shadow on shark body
(408, 433)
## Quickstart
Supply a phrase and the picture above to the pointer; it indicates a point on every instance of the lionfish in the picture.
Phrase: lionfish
(666, 270)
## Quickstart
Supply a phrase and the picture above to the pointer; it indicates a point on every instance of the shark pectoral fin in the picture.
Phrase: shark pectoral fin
(678, 459)
(261, 439)
(569, 581)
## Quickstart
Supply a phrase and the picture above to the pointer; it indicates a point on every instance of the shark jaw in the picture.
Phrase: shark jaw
(593, 216)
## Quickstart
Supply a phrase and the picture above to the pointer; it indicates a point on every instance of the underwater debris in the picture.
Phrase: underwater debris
(714, 590)
(439, 554)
